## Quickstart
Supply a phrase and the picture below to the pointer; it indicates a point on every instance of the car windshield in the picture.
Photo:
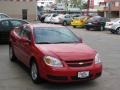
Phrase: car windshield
(54, 35)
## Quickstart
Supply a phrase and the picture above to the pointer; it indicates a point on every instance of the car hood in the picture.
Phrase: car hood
(68, 51)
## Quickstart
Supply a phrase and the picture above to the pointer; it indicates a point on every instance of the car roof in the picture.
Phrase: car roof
(12, 19)
(3, 14)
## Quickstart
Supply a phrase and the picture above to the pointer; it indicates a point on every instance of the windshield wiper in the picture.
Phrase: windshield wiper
(44, 43)
(66, 42)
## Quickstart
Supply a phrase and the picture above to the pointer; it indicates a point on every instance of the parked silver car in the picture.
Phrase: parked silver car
(113, 26)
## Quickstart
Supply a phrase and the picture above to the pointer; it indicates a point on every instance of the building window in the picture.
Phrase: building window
(17, 0)
(24, 14)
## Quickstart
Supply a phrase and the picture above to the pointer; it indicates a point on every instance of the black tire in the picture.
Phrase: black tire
(87, 28)
(34, 73)
(12, 56)
(118, 30)
(74, 26)
(64, 23)
(101, 28)
(113, 32)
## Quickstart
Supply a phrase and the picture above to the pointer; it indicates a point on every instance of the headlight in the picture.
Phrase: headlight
(52, 61)
(97, 59)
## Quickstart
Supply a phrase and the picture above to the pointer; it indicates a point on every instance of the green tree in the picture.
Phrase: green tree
(76, 3)
(84, 5)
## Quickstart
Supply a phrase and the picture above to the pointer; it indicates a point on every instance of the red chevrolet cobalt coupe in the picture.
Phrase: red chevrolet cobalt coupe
(53, 53)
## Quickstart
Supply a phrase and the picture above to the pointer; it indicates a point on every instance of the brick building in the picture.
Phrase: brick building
(112, 8)
(23, 9)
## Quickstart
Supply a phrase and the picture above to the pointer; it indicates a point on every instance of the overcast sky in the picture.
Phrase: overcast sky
(97, 1)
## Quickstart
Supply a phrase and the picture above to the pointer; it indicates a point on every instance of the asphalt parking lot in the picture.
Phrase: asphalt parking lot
(13, 76)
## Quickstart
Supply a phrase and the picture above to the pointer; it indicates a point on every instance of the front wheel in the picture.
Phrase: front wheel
(101, 28)
(34, 72)
(74, 26)
(64, 23)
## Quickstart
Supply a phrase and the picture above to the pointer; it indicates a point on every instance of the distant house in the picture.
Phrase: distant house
(23, 9)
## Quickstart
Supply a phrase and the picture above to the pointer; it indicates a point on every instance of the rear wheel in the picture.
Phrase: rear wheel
(34, 72)
(113, 32)
(12, 56)
(87, 28)
(74, 26)
(118, 30)
(101, 28)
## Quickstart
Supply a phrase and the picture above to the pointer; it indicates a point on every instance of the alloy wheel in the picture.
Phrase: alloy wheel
(118, 31)
(64, 23)
(101, 28)
(34, 71)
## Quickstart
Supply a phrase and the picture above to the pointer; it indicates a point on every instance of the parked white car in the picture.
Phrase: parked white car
(113, 26)
(57, 18)
(49, 18)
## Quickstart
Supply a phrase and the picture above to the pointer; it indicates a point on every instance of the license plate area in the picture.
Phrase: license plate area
(83, 74)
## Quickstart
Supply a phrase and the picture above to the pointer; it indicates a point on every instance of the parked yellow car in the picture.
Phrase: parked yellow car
(80, 21)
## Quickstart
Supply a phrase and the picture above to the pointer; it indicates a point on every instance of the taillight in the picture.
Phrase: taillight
(110, 24)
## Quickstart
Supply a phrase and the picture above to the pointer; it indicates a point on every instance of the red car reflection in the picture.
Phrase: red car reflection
(54, 53)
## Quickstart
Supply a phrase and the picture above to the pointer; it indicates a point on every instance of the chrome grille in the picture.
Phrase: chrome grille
(79, 63)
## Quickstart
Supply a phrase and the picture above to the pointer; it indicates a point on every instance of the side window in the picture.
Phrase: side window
(5, 24)
(16, 23)
(4, 16)
(25, 33)
(67, 16)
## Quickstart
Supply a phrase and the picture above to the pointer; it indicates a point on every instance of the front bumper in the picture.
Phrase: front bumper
(92, 27)
(113, 31)
(77, 24)
(71, 74)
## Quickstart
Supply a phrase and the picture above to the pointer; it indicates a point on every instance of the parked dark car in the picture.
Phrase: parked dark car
(6, 25)
(2, 15)
(42, 18)
(96, 23)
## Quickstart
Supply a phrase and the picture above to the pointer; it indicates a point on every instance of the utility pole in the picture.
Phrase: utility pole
(109, 7)
(88, 7)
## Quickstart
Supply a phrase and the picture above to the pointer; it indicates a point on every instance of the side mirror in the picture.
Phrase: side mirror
(80, 39)
(26, 40)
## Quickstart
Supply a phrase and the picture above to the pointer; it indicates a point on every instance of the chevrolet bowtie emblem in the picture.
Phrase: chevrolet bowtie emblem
(81, 63)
